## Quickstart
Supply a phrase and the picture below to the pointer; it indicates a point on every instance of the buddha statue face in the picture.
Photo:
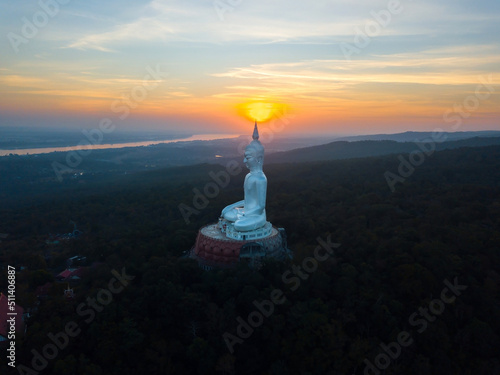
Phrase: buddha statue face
(254, 156)
(251, 160)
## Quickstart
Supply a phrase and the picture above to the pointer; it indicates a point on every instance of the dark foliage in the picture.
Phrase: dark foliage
(397, 249)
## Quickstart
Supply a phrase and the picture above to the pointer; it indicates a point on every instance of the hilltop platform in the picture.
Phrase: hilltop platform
(214, 249)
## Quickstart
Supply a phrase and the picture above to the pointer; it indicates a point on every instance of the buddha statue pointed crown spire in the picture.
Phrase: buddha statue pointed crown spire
(255, 135)
(256, 146)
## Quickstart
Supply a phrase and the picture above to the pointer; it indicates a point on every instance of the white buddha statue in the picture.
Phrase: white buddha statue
(250, 213)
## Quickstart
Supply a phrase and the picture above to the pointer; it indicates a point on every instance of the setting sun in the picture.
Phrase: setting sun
(262, 111)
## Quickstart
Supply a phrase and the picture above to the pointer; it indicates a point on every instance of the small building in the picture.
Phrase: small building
(42, 292)
(3, 236)
(77, 260)
(71, 274)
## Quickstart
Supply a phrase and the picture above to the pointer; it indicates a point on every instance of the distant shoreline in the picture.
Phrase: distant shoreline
(117, 144)
(17, 142)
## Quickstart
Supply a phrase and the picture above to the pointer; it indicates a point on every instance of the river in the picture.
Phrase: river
(46, 150)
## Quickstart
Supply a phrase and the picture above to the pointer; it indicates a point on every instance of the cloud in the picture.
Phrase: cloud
(430, 54)
(428, 67)
(430, 77)
(253, 22)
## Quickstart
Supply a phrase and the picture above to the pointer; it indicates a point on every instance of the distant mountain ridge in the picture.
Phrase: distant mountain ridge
(346, 150)
(411, 136)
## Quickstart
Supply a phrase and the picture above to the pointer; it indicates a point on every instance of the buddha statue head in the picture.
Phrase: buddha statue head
(254, 153)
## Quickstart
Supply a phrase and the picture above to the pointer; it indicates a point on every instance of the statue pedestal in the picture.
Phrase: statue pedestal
(227, 228)
(215, 249)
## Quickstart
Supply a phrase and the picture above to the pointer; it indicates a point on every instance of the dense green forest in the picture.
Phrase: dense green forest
(398, 251)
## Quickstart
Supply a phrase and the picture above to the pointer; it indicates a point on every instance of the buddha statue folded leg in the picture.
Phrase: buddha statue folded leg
(233, 211)
(248, 223)
(231, 215)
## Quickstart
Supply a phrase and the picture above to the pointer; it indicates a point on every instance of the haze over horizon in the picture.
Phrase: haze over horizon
(417, 67)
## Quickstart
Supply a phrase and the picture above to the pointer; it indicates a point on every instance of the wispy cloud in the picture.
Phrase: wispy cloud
(428, 79)
(280, 21)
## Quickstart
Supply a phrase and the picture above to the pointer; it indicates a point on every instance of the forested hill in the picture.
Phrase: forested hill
(29, 179)
(398, 250)
(347, 150)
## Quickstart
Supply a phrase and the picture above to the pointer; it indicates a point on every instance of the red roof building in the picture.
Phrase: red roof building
(71, 274)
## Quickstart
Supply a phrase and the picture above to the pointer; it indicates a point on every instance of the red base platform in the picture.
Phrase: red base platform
(214, 250)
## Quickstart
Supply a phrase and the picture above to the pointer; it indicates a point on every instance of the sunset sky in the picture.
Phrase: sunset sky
(191, 65)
